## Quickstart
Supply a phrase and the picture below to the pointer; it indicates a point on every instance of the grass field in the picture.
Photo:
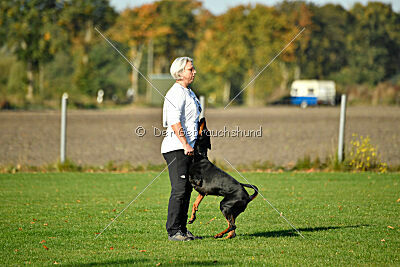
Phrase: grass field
(346, 218)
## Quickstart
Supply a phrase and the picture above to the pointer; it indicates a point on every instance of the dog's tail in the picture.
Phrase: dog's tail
(253, 196)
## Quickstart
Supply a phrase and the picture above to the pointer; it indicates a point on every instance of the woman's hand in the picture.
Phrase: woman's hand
(178, 130)
(188, 150)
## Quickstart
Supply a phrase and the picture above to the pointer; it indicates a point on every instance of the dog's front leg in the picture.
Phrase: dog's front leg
(195, 208)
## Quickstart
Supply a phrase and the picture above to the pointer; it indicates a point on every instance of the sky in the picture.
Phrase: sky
(220, 6)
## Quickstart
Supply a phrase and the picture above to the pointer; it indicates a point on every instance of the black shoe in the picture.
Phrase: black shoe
(189, 234)
(179, 236)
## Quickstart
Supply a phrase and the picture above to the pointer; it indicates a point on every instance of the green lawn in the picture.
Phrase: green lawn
(346, 218)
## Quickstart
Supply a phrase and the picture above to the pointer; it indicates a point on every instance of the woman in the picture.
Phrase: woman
(180, 115)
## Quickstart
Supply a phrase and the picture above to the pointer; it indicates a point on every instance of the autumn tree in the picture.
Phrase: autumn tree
(29, 33)
(320, 50)
(326, 52)
(78, 18)
(274, 48)
(223, 55)
(373, 44)
(178, 38)
(239, 46)
(299, 16)
(136, 27)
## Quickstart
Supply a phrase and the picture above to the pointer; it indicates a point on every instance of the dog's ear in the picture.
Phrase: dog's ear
(202, 121)
(202, 125)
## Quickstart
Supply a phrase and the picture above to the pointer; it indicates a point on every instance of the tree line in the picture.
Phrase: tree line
(51, 46)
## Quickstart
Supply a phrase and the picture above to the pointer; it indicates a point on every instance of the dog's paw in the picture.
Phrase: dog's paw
(218, 236)
(192, 220)
(231, 235)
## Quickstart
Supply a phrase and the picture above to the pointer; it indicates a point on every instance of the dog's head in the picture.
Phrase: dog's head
(203, 142)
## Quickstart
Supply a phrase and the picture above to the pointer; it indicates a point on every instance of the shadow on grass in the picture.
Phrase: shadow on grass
(113, 262)
(292, 232)
(200, 263)
(145, 261)
(289, 233)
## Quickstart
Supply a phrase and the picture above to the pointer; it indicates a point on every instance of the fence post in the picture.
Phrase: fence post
(63, 143)
(203, 106)
(341, 128)
(150, 63)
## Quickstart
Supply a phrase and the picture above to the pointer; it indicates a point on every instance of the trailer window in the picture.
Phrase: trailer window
(310, 91)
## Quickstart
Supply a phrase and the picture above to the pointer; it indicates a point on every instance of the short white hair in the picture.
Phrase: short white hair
(178, 66)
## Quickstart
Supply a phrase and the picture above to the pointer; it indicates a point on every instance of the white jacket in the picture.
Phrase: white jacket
(180, 105)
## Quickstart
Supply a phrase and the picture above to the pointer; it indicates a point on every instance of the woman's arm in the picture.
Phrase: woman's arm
(178, 130)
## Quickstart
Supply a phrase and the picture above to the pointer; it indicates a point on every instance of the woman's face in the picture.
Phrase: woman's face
(188, 73)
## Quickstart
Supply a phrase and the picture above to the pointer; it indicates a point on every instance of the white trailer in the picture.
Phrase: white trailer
(312, 92)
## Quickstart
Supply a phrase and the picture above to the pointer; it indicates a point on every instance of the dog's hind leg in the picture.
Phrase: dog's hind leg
(231, 234)
(231, 227)
(195, 208)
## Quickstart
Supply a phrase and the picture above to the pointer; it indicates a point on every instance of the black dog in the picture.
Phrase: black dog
(208, 179)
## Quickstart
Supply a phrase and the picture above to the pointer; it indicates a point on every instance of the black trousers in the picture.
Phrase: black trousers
(181, 190)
